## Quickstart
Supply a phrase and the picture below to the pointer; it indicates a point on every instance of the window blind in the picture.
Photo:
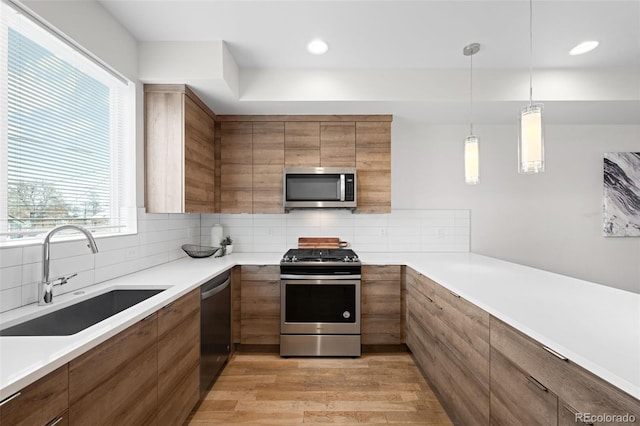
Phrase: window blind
(67, 149)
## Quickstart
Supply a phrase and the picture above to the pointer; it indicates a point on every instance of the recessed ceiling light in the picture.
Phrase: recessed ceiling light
(317, 47)
(584, 47)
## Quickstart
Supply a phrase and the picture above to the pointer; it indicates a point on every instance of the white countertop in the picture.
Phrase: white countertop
(595, 326)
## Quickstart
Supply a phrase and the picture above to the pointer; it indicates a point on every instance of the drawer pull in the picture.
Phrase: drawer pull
(10, 398)
(454, 294)
(556, 354)
(147, 317)
(56, 421)
(274, 282)
(429, 299)
(169, 304)
(537, 384)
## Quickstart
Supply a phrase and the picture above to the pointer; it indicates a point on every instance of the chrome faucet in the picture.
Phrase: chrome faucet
(45, 289)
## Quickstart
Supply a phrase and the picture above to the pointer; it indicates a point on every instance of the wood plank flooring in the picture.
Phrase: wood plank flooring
(375, 389)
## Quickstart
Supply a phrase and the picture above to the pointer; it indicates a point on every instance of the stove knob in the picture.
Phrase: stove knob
(354, 259)
(346, 259)
(294, 258)
(286, 259)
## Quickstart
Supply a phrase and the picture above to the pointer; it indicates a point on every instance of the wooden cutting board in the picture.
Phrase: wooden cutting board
(319, 242)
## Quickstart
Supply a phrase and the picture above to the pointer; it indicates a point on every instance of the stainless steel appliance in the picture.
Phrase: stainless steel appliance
(319, 187)
(320, 303)
(215, 328)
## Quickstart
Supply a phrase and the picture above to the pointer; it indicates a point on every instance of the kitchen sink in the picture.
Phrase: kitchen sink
(75, 318)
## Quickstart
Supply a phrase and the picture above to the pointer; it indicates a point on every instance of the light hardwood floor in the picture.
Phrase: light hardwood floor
(375, 389)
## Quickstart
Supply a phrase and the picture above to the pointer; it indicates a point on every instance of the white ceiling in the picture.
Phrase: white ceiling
(395, 35)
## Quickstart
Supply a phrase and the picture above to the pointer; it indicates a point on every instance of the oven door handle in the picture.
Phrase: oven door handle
(319, 277)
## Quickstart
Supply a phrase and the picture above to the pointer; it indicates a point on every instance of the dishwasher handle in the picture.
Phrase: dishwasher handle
(215, 290)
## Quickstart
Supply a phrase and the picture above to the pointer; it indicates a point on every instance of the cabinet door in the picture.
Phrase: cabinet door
(517, 398)
(373, 161)
(260, 305)
(178, 358)
(338, 144)
(236, 165)
(116, 382)
(39, 403)
(163, 152)
(381, 305)
(421, 331)
(302, 144)
(199, 159)
(268, 165)
(463, 338)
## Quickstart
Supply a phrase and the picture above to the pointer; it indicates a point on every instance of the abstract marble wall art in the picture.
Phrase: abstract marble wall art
(622, 194)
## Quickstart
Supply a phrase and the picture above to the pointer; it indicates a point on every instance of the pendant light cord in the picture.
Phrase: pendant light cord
(471, 96)
(530, 52)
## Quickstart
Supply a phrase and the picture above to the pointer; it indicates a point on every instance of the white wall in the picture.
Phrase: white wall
(551, 221)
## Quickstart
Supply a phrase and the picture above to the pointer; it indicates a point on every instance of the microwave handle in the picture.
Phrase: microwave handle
(342, 186)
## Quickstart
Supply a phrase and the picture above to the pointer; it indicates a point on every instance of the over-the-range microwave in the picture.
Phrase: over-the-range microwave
(319, 187)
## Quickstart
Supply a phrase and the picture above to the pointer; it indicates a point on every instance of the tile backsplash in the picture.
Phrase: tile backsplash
(158, 241)
(398, 231)
(160, 236)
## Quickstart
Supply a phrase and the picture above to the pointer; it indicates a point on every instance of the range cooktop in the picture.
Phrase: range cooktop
(320, 256)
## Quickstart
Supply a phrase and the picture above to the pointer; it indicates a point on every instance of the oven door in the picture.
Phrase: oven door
(320, 306)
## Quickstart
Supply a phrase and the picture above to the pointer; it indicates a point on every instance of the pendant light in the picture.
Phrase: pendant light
(531, 128)
(471, 143)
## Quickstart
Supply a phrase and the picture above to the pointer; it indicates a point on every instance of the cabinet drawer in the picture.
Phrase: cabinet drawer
(40, 402)
(573, 384)
(260, 272)
(419, 283)
(381, 272)
(518, 399)
(173, 314)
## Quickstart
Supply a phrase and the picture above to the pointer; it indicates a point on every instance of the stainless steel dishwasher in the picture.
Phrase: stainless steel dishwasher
(215, 328)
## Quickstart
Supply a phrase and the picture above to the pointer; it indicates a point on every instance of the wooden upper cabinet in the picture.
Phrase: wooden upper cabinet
(268, 164)
(302, 144)
(338, 144)
(179, 151)
(373, 162)
(236, 167)
(254, 149)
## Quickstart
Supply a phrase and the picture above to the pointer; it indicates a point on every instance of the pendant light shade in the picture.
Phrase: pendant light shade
(531, 141)
(471, 143)
(531, 125)
(471, 160)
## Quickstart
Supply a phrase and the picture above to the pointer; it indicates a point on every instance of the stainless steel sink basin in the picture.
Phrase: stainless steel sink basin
(75, 318)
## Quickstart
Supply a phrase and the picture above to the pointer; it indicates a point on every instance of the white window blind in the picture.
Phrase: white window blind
(67, 152)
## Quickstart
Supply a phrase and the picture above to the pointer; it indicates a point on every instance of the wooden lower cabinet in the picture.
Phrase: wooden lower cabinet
(116, 382)
(260, 305)
(451, 339)
(178, 358)
(576, 387)
(517, 398)
(381, 313)
(487, 372)
(40, 403)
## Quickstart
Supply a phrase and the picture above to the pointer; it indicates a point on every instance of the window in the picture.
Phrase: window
(67, 145)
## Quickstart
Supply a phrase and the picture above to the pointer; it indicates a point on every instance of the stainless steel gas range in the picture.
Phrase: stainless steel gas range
(320, 303)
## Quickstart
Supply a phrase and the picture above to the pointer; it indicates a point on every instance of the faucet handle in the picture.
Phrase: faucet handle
(63, 280)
